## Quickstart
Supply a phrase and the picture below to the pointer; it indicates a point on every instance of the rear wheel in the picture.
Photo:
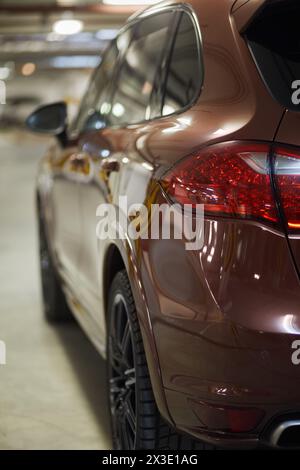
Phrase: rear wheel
(54, 302)
(136, 422)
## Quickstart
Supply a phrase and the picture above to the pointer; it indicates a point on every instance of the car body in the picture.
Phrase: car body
(218, 324)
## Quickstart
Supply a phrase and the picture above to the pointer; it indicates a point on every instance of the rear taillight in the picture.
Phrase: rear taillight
(287, 177)
(229, 179)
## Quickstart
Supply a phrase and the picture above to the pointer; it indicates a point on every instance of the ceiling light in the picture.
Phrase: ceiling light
(66, 27)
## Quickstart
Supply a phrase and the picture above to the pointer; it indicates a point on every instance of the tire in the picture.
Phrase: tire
(136, 422)
(54, 303)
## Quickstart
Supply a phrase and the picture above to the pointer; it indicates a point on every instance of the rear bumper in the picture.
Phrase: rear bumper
(224, 320)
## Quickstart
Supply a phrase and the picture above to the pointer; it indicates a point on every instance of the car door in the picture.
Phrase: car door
(66, 225)
(67, 166)
(128, 102)
(92, 149)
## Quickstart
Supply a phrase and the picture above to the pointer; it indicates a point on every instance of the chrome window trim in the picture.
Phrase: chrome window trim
(147, 13)
(152, 11)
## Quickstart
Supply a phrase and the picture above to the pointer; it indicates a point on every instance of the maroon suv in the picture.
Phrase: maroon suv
(195, 104)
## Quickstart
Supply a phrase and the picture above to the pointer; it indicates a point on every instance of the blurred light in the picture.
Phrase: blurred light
(106, 34)
(168, 110)
(6, 70)
(289, 324)
(130, 2)
(122, 42)
(99, 125)
(105, 108)
(118, 110)
(219, 132)
(132, 59)
(65, 3)
(28, 69)
(105, 153)
(4, 73)
(84, 36)
(185, 121)
(147, 88)
(148, 166)
(54, 37)
(74, 62)
(66, 27)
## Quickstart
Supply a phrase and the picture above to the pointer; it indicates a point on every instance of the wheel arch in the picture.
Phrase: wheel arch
(113, 263)
(116, 259)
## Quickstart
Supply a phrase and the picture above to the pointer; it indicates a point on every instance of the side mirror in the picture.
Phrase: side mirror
(50, 119)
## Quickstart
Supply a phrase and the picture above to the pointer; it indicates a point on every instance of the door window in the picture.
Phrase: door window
(95, 104)
(131, 102)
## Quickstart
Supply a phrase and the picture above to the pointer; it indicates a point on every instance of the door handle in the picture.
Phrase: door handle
(79, 164)
(110, 166)
(79, 160)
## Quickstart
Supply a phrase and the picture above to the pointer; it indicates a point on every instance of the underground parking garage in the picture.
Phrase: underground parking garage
(150, 227)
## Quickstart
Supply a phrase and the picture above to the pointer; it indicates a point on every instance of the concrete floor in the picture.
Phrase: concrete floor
(52, 388)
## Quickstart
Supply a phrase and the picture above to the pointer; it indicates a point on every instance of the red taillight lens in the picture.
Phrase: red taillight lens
(229, 179)
(287, 174)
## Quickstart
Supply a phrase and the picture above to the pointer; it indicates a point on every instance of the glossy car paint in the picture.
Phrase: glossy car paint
(218, 323)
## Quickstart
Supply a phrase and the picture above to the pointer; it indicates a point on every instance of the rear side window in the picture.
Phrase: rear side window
(274, 41)
(185, 74)
(131, 100)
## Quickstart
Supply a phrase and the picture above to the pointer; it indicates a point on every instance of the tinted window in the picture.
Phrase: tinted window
(139, 68)
(94, 106)
(274, 41)
(184, 76)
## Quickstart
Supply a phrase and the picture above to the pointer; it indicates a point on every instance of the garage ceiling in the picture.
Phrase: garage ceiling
(26, 28)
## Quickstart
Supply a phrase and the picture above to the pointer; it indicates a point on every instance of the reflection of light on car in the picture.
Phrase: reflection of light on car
(141, 142)
(105, 108)
(167, 109)
(147, 166)
(185, 120)
(219, 132)
(181, 124)
(132, 59)
(288, 324)
(99, 125)
(105, 153)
